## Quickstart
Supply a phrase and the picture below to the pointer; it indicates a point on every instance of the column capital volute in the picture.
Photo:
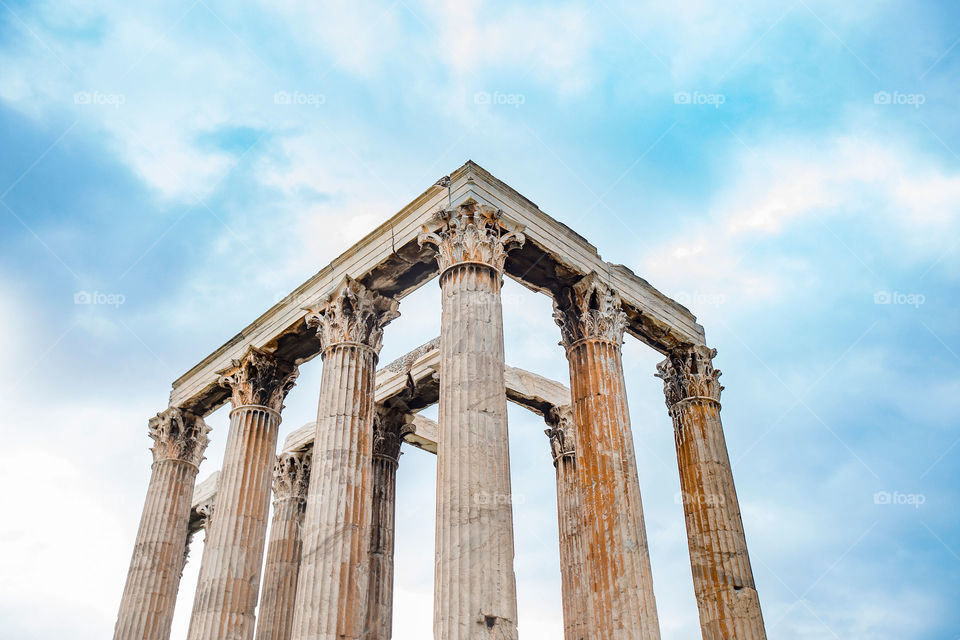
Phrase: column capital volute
(352, 314)
(472, 233)
(390, 427)
(589, 310)
(178, 434)
(688, 375)
(291, 475)
(562, 428)
(259, 378)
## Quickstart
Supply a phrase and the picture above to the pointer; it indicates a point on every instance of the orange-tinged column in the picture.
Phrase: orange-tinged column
(616, 559)
(722, 576)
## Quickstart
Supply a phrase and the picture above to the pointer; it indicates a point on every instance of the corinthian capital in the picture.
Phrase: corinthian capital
(390, 426)
(470, 233)
(688, 373)
(352, 313)
(291, 475)
(178, 435)
(259, 378)
(589, 310)
(561, 431)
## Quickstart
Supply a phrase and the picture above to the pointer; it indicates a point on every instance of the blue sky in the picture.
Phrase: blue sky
(788, 170)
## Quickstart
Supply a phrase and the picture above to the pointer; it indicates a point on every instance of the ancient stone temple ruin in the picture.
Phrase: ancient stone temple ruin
(327, 564)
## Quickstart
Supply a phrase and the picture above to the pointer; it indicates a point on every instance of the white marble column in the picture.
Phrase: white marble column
(334, 571)
(229, 582)
(291, 477)
(389, 428)
(475, 586)
(146, 609)
(562, 434)
(616, 559)
(722, 576)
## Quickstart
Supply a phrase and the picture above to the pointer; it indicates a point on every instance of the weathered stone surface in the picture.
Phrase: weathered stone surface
(159, 553)
(391, 261)
(334, 572)
(722, 576)
(291, 477)
(616, 559)
(474, 585)
(229, 580)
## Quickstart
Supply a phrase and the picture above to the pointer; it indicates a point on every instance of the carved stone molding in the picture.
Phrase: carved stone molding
(352, 313)
(178, 435)
(205, 511)
(390, 427)
(561, 431)
(590, 310)
(470, 233)
(688, 373)
(259, 378)
(291, 475)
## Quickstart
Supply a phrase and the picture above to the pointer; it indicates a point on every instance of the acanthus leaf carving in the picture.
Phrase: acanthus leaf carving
(590, 309)
(390, 427)
(259, 378)
(352, 313)
(688, 372)
(291, 475)
(561, 431)
(178, 435)
(472, 233)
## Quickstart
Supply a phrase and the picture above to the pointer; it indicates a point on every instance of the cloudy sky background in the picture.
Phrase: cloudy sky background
(788, 170)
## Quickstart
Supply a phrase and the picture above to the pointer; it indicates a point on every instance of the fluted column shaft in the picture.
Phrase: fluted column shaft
(150, 594)
(722, 576)
(570, 521)
(617, 570)
(275, 616)
(380, 596)
(232, 561)
(334, 572)
(475, 585)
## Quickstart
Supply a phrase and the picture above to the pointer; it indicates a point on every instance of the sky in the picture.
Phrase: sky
(787, 170)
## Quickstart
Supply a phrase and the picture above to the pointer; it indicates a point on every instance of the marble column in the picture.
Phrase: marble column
(474, 585)
(291, 476)
(616, 558)
(223, 608)
(389, 428)
(722, 576)
(562, 435)
(150, 594)
(334, 571)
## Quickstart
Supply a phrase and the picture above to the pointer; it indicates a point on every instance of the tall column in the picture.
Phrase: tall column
(334, 571)
(722, 576)
(562, 435)
(475, 593)
(389, 428)
(291, 476)
(229, 582)
(146, 609)
(616, 558)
